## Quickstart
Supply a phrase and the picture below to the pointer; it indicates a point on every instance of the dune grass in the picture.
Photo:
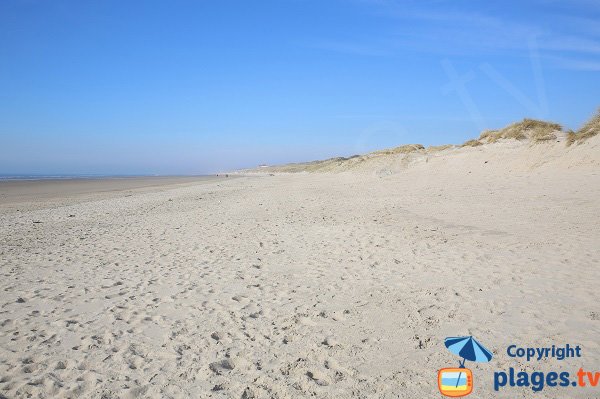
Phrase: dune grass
(527, 129)
(590, 129)
(437, 148)
(472, 143)
(403, 149)
(533, 130)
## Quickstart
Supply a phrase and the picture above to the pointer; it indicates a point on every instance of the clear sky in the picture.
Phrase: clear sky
(186, 87)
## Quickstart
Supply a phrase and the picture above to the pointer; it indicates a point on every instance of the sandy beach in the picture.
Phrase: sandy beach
(31, 193)
(324, 285)
(365, 199)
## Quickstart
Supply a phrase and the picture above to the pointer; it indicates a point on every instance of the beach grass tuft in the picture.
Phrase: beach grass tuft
(590, 129)
(403, 149)
(527, 129)
(472, 143)
(438, 148)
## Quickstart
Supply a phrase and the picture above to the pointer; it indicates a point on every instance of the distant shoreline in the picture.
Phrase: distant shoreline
(60, 189)
(34, 177)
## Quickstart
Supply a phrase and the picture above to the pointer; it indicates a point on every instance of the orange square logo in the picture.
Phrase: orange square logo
(455, 382)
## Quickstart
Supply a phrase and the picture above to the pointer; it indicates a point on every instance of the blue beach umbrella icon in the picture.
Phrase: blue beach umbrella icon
(469, 349)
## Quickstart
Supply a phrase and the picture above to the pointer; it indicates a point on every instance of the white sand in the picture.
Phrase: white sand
(310, 285)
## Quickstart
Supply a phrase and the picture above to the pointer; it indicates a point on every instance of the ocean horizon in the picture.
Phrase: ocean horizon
(13, 177)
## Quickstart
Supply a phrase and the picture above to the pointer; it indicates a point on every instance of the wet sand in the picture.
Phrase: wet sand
(26, 194)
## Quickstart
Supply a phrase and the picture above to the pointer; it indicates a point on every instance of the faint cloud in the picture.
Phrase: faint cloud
(432, 27)
(572, 44)
(576, 64)
(585, 25)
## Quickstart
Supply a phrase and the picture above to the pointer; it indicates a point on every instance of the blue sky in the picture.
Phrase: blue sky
(186, 87)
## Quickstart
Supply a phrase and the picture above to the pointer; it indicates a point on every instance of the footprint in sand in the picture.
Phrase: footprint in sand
(318, 377)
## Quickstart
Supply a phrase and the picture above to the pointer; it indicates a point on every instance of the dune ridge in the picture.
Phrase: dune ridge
(521, 135)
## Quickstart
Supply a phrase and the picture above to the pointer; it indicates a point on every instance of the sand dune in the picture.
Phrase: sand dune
(325, 285)
(532, 139)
